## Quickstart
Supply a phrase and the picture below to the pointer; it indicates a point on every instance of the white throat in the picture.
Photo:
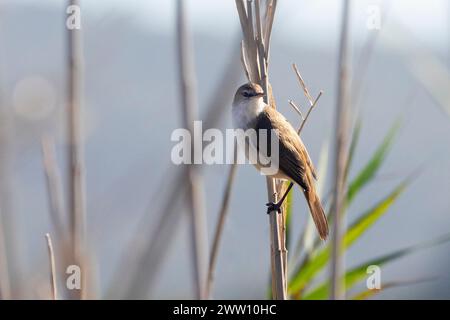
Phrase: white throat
(246, 112)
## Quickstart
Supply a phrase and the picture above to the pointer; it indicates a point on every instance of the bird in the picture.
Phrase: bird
(249, 111)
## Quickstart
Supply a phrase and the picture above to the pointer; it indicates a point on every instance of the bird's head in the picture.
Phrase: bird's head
(248, 92)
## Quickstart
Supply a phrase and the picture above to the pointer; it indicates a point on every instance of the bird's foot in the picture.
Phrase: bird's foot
(273, 207)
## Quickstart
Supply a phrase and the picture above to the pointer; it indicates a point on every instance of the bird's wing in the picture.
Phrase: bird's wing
(293, 157)
(299, 143)
(308, 159)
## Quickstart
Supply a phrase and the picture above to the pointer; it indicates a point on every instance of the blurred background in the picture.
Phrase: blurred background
(131, 105)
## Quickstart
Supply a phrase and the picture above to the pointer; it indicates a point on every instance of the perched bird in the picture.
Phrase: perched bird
(294, 164)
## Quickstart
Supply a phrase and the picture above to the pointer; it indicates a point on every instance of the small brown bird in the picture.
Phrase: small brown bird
(294, 164)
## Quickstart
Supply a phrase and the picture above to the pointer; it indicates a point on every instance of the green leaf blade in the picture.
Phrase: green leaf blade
(374, 164)
(356, 274)
(361, 225)
(307, 272)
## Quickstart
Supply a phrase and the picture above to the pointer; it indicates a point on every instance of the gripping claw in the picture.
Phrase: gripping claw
(273, 207)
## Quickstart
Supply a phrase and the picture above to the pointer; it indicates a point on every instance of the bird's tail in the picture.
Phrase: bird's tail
(317, 213)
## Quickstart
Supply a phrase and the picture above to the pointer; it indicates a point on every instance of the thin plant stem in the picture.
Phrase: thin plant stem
(309, 111)
(194, 181)
(77, 192)
(11, 283)
(256, 47)
(302, 84)
(297, 109)
(312, 103)
(51, 256)
(341, 146)
(5, 287)
(54, 187)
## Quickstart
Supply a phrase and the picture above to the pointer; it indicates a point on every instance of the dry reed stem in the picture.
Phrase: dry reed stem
(270, 15)
(195, 185)
(10, 268)
(5, 172)
(5, 199)
(77, 193)
(341, 146)
(252, 48)
(309, 111)
(277, 222)
(244, 61)
(54, 187)
(256, 47)
(5, 287)
(302, 83)
(55, 195)
(312, 103)
(52, 267)
(297, 109)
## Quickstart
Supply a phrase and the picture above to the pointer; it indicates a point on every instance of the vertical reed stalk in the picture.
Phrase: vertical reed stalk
(54, 188)
(77, 196)
(256, 61)
(193, 178)
(341, 146)
(55, 193)
(51, 257)
(5, 288)
(10, 281)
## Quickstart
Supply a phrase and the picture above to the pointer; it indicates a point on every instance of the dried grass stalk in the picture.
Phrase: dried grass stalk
(54, 187)
(256, 54)
(77, 192)
(5, 288)
(194, 181)
(341, 146)
(51, 256)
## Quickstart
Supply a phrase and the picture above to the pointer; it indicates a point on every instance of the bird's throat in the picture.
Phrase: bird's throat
(246, 113)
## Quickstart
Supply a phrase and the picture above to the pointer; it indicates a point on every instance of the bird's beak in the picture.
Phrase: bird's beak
(260, 94)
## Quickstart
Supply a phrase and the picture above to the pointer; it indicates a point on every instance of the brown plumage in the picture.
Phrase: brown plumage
(250, 112)
(294, 162)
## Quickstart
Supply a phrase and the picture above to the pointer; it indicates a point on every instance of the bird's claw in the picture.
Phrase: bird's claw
(273, 207)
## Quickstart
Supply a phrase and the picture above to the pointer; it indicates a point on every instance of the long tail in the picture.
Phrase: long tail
(317, 212)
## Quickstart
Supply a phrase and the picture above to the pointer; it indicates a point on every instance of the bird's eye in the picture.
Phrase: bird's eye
(246, 94)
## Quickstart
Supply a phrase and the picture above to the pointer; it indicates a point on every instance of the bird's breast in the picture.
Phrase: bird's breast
(246, 113)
